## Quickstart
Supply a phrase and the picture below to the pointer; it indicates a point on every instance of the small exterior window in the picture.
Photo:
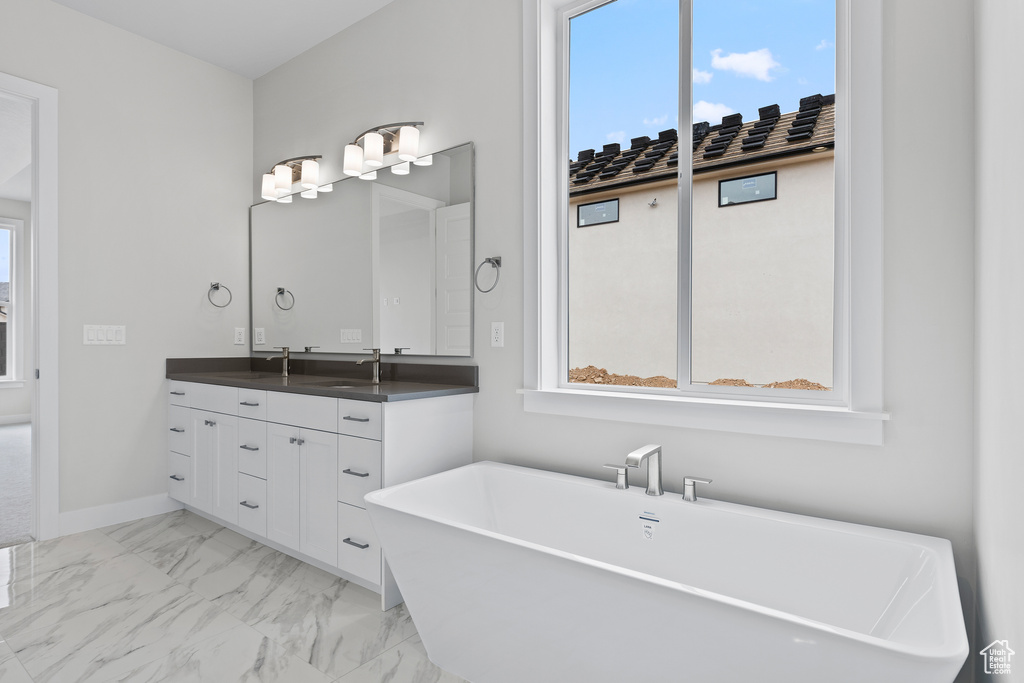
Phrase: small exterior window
(598, 213)
(754, 188)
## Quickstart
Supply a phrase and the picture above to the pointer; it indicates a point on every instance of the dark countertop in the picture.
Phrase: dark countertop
(332, 379)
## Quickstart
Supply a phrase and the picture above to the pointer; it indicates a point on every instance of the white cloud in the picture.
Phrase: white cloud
(756, 64)
(712, 113)
(616, 136)
(702, 76)
(657, 121)
(822, 45)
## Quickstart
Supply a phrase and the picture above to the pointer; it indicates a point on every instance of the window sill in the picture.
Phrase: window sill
(11, 383)
(798, 421)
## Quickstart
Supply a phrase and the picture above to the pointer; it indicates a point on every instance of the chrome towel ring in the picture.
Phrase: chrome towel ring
(495, 262)
(216, 287)
(281, 292)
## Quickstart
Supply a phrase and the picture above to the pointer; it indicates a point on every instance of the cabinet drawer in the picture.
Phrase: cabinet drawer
(179, 393)
(179, 468)
(252, 448)
(358, 469)
(252, 504)
(215, 398)
(314, 412)
(359, 418)
(179, 422)
(252, 403)
(358, 550)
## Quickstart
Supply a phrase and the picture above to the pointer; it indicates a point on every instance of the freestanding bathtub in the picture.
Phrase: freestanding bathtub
(514, 575)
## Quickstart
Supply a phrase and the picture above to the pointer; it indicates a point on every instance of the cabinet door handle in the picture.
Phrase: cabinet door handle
(356, 419)
(177, 477)
(210, 423)
(292, 439)
(246, 447)
(361, 546)
(247, 504)
(248, 404)
(177, 393)
(356, 474)
(179, 430)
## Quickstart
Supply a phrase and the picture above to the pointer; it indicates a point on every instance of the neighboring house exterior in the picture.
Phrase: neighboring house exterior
(748, 256)
(5, 301)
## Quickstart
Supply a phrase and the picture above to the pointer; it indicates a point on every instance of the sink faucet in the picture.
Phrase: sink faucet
(652, 454)
(376, 364)
(284, 359)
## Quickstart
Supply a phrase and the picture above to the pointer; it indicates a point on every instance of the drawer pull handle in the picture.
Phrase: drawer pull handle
(356, 474)
(361, 546)
(179, 430)
(248, 404)
(210, 423)
(177, 393)
(246, 447)
(356, 419)
(177, 477)
(247, 504)
(292, 439)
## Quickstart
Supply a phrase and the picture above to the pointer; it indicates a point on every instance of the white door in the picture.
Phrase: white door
(204, 445)
(283, 488)
(454, 280)
(319, 496)
(224, 492)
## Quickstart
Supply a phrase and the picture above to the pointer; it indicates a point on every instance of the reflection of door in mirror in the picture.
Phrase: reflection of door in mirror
(404, 264)
(453, 278)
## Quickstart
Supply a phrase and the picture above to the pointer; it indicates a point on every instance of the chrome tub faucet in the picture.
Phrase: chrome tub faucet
(652, 454)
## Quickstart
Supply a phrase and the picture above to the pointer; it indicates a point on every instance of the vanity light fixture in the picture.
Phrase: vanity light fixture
(401, 169)
(277, 185)
(370, 148)
(425, 160)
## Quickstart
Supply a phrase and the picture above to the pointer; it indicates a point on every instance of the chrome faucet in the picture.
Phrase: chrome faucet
(652, 454)
(376, 364)
(284, 359)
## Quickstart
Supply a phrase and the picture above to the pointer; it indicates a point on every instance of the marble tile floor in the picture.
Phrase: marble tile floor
(177, 597)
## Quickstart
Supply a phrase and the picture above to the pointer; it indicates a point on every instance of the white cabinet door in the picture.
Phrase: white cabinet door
(283, 489)
(319, 495)
(214, 486)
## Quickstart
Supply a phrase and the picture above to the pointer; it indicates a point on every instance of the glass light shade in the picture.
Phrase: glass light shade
(424, 160)
(310, 174)
(353, 164)
(408, 143)
(269, 191)
(283, 179)
(285, 199)
(373, 149)
(308, 194)
(401, 169)
(369, 175)
(329, 187)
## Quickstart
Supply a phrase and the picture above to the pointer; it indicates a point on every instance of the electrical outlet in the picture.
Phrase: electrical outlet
(497, 334)
(259, 336)
(239, 335)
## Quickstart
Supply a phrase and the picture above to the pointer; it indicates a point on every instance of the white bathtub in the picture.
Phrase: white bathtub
(514, 575)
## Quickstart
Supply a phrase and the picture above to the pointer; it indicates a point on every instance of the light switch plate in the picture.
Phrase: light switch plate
(351, 336)
(104, 335)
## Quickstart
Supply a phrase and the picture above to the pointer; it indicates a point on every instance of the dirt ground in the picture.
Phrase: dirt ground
(595, 375)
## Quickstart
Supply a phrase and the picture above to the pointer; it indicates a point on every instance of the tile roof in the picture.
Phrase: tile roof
(728, 143)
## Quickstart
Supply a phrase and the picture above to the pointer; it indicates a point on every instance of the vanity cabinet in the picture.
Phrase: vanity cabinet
(291, 469)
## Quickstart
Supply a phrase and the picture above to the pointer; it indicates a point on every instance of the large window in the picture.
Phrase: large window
(6, 301)
(683, 312)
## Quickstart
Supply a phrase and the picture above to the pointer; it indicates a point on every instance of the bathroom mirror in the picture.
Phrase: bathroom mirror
(385, 264)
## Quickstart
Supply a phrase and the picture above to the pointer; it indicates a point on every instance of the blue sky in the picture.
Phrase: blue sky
(746, 54)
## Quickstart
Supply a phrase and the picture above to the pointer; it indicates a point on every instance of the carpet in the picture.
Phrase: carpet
(15, 484)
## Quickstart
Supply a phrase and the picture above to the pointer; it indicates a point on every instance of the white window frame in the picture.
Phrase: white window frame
(853, 412)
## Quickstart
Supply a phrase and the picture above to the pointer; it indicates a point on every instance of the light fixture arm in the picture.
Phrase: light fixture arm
(295, 164)
(390, 128)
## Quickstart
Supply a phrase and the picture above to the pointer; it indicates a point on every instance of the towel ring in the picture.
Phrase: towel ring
(281, 291)
(216, 287)
(495, 262)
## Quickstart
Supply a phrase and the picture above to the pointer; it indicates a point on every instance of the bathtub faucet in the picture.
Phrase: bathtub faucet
(652, 454)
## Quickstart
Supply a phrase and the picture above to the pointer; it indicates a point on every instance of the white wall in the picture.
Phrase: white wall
(155, 152)
(999, 505)
(462, 76)
(17, 401)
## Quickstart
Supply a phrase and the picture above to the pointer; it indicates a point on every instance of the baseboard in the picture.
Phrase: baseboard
(116, 513)
(14, 419)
